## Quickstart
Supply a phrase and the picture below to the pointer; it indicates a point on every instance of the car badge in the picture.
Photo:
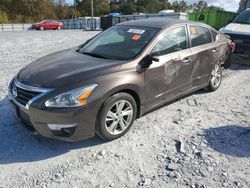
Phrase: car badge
(14, 92)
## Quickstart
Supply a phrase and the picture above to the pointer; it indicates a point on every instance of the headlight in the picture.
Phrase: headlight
(222, 29)
(74, 98)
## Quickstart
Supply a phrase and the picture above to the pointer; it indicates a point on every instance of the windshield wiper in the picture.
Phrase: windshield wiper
(95, 55)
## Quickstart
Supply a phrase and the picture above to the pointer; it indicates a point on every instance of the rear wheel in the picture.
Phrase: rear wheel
(215, 79)
(116, 116)
(59, 28)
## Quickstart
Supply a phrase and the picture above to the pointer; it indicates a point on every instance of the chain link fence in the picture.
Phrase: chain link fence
(15, 27)
(82, 23)
(86, 23)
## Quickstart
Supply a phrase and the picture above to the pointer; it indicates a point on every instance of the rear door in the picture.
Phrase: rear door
(171, 76)
(204, 54)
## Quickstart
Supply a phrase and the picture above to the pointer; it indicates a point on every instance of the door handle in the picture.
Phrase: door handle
(215, 50)
(186, 60)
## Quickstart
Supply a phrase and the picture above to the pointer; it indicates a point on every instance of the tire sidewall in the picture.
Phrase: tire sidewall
(101, 128)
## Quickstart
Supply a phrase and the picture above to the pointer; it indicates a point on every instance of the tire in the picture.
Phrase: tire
(59, 28)
(116, 116)
(42, 28)
(228, 61)
(216, 78)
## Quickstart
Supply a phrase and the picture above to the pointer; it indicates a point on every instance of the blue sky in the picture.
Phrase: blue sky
(70, 1)
(230, 5)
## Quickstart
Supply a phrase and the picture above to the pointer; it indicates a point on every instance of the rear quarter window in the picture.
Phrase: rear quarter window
(200, 36)
(214, 35)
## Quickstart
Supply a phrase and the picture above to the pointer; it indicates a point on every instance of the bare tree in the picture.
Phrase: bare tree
(243, 5)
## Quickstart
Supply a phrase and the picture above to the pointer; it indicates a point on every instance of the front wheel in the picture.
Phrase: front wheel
(41, 28)
(59, 28)
(215, 79)
(116, 116)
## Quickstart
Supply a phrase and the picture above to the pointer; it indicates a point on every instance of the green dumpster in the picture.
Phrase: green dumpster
(216, 19)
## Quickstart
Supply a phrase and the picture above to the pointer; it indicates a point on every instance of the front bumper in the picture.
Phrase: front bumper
(37, 120)
(242, 49)
(241, 58)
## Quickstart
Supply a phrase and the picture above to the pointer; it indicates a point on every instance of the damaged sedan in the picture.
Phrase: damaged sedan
(102, 86)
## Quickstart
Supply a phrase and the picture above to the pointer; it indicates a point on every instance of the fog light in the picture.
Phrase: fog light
(59, 127)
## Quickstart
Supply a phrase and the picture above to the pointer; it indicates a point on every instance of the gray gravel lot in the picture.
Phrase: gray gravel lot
(202, 140)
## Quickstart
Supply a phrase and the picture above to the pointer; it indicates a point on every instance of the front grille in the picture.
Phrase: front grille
(245, 38)
(23, 96)
(244, 46)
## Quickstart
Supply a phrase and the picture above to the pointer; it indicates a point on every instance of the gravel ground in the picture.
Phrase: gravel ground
(202, 140)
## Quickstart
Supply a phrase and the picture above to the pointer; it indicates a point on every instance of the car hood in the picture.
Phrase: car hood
(235, 28)
(64, 68)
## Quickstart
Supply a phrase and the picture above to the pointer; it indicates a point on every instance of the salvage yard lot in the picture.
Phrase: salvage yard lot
(202, 140)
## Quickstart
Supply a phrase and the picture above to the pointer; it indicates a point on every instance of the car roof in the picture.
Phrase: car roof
(160, 22)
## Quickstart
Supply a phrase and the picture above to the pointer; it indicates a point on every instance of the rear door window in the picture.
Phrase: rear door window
(200, 36)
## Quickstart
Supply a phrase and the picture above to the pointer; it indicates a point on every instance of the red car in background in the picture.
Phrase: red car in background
(48, 24)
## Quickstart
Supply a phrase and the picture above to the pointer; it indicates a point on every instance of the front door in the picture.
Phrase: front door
(171, 76)
(49, 24)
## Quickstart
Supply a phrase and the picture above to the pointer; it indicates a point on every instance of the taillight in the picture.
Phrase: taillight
(232, 46)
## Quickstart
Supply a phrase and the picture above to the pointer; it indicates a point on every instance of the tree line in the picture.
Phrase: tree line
(22, 11)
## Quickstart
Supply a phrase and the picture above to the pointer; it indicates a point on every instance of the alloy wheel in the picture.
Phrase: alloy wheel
(119, 117)
(216, 76)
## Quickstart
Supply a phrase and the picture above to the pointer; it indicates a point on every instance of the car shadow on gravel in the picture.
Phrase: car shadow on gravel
(233, 140)
(18, 145)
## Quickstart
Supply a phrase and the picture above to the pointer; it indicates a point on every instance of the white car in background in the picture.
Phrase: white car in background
(239, 32)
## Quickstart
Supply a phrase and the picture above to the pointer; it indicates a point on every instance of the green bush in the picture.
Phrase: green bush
(3, 17)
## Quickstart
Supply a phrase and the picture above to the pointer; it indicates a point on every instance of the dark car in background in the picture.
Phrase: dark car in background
(102, 86)
(239, 31)
(48, 24)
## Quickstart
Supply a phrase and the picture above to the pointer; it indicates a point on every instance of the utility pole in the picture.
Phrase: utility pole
(92, 13)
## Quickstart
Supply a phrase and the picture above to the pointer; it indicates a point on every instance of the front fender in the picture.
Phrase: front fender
(110, 84)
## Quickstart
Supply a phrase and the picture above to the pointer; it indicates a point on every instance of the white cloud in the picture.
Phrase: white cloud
(229, 5)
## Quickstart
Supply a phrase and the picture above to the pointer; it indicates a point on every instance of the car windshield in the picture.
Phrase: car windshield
(244, 18)
(119, 42)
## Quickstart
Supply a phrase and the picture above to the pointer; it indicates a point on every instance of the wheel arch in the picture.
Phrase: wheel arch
(121, 89)
(135, 96)
(133, 90)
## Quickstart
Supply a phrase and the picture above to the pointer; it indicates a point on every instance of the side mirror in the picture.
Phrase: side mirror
(155, 56)
(148, 60)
